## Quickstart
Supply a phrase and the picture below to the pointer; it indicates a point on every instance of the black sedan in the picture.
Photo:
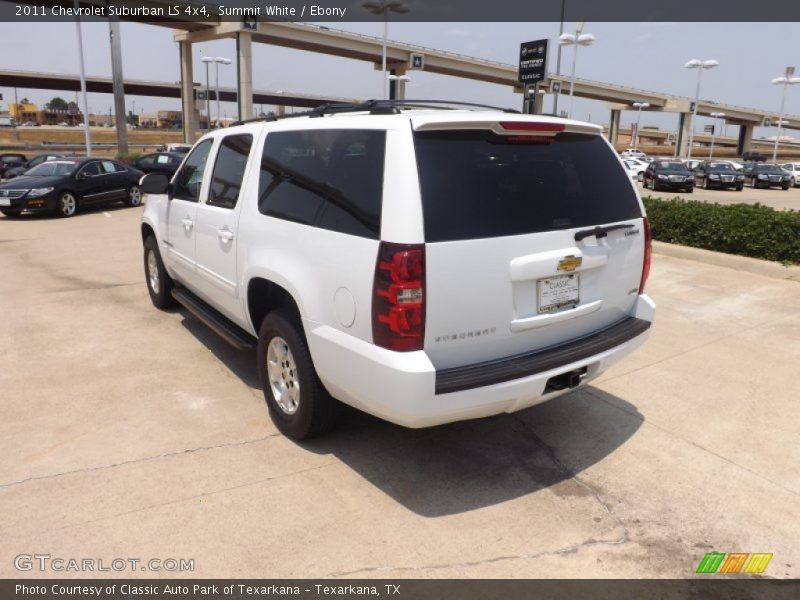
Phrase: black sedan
(64, 185)
(160, 162)
(766, 175)
(10, 161)
(716, 174)
(34, 162)
(668, 175)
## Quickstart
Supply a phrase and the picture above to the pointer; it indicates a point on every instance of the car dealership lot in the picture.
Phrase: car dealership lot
(775, 197)
(130, 433)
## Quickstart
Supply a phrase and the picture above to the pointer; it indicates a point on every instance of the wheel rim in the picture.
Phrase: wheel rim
(282, 374)
(135, 196)
(68, 205)
(152, 272)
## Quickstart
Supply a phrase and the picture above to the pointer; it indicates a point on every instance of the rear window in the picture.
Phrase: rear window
(480, 185)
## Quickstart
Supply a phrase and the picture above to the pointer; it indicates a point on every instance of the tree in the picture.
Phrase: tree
(24, 101)
(57, 104)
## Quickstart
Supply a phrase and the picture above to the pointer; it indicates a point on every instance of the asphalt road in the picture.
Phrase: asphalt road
(131, 433)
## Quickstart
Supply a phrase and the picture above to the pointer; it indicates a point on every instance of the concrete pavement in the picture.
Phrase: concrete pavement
(132, 433)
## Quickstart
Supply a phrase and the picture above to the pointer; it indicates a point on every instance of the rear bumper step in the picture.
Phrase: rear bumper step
(219, 323)
(531, 363)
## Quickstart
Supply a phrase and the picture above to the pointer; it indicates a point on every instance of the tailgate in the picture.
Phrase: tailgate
(514, 261)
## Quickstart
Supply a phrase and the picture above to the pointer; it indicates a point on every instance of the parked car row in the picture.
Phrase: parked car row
(65, 184)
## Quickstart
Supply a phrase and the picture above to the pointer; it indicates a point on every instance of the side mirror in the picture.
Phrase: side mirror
(154, 183)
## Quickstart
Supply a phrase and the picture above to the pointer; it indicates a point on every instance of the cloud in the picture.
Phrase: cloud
(642, 37)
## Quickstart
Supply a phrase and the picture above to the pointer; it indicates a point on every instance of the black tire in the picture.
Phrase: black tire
(160, 286)
(313, 411)
(739, 188)
(784, 187)
(690, 190)
(67, 204)
(134, 196)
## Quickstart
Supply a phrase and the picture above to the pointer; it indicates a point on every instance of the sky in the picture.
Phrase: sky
(649, 56)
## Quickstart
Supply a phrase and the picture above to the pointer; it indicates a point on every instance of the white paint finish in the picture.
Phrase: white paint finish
(344, 307)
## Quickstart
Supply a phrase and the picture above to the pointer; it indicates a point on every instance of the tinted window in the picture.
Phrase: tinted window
(327, 178)
(146, 161)
(226, 180)
(93, 168)
(189, 180)
(480, 185)
(768, 169)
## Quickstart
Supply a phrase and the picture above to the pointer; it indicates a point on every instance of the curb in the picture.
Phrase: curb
(730, 261)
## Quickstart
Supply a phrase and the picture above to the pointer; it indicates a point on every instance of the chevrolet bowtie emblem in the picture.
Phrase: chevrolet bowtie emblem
(569, 263)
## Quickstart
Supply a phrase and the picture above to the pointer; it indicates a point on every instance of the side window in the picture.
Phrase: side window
(145, 161)
(91, 169)
(110, 166)
(190, 178)
(226, 180)
(331, 178)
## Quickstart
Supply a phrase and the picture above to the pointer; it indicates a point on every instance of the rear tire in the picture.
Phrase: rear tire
(299, 404)
(159, 283)
(134, 196)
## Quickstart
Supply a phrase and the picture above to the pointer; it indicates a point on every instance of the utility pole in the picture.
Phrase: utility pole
(118, 86)
(86, 131)
(558, 56)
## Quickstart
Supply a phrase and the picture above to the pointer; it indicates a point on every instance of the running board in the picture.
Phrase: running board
(219, 323)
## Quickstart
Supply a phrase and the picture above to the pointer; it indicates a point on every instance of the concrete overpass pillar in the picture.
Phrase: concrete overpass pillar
(745, 143)
(682, 139)
(187, 92)
(397, 87)
(613, 126)
(244, 74)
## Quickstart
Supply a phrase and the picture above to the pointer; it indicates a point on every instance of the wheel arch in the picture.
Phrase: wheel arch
(265, 296)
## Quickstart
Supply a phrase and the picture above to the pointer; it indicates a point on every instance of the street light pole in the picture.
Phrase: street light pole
(86, 131)
(208, 60)
(785, 81)
(225, 61)
(579, 39)
(639, 106)
(716, 115)
(700, 65)
(558, 56)
(383, 7)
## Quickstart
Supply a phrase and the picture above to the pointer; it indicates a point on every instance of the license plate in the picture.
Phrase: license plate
(5, 202)
(558, 293)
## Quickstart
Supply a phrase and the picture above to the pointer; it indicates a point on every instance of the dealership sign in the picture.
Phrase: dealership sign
(532, 61)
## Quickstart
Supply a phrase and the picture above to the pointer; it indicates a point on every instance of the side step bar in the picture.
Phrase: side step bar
(219, 323)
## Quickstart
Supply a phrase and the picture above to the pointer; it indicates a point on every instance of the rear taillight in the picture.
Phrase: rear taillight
(398, 301)
(647, 255)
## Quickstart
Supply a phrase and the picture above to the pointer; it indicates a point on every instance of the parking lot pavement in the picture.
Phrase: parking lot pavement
(775, 197)
(132, 433)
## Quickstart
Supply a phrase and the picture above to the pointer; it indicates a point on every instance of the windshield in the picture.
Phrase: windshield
(718, 166)
(53, 168)
(664, 165)
(768, 169)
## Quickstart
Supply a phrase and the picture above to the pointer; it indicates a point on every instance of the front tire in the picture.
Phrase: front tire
(299, 404)
(66, 205)
(159, 283)
(134, 196)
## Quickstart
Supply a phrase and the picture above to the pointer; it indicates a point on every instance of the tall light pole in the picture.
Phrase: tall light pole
(382, 7)
(700, 65)
(558, 56)
(716, 115)
(639, 106)
(785, 81)
(86, 132)
(218, 60)
(578, 39)
(208, 60)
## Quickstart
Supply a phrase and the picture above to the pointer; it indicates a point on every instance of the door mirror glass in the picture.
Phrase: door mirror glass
(154, 183)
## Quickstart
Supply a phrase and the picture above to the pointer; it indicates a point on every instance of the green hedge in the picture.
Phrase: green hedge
(129, 158)
(747, 229)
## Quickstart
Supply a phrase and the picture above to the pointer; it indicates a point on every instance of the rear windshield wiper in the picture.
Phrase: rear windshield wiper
(600, 232)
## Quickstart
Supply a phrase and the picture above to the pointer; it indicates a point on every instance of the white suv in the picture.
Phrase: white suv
(421, 265)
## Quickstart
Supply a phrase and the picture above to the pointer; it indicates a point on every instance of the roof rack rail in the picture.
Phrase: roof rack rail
(376, 107)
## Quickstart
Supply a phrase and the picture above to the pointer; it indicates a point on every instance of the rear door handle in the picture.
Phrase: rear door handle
(226, 235)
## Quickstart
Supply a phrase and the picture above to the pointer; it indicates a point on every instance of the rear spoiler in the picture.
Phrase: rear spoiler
(513, 128)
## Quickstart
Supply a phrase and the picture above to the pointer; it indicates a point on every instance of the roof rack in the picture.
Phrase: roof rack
(377, 107)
